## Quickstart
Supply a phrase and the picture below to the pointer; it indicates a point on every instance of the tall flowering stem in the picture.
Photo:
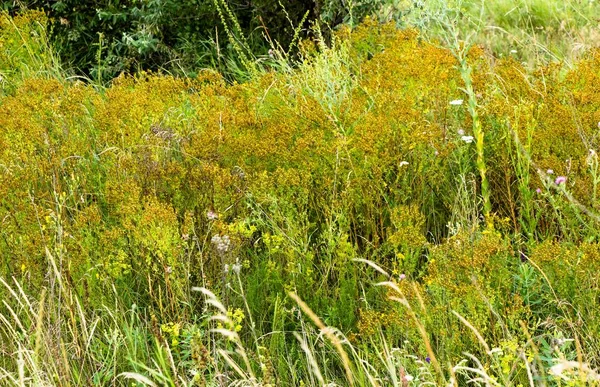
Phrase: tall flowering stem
(449, 22)
(465, 72)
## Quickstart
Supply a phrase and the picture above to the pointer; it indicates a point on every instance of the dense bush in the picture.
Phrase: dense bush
(102, 39)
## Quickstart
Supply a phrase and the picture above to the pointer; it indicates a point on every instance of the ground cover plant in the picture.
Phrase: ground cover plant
(388, 206)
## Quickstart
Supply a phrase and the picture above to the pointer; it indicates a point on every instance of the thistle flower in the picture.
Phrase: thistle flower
(539, 190)
(560, 180)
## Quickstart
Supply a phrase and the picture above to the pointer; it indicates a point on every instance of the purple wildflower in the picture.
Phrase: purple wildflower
(523, 257)
(402, 276)
(539, 190)
(560, 180)
(428, 359)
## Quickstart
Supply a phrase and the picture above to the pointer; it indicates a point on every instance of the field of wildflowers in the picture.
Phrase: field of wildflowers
(394, 208)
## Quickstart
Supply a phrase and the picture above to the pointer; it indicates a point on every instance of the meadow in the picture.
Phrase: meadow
(410, 200)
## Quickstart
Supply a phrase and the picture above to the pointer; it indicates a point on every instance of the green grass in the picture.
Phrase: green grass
(531, 31)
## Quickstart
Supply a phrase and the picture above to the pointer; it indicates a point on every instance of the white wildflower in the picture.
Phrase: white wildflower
(467, 139)
(211, 215)
(456, 102)
(563, 367)
(221, 243)
(237, 268)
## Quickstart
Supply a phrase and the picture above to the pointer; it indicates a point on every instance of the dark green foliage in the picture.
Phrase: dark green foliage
(104, 38)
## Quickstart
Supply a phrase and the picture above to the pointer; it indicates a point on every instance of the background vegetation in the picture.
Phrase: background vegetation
(100, 39)
(430, 192)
